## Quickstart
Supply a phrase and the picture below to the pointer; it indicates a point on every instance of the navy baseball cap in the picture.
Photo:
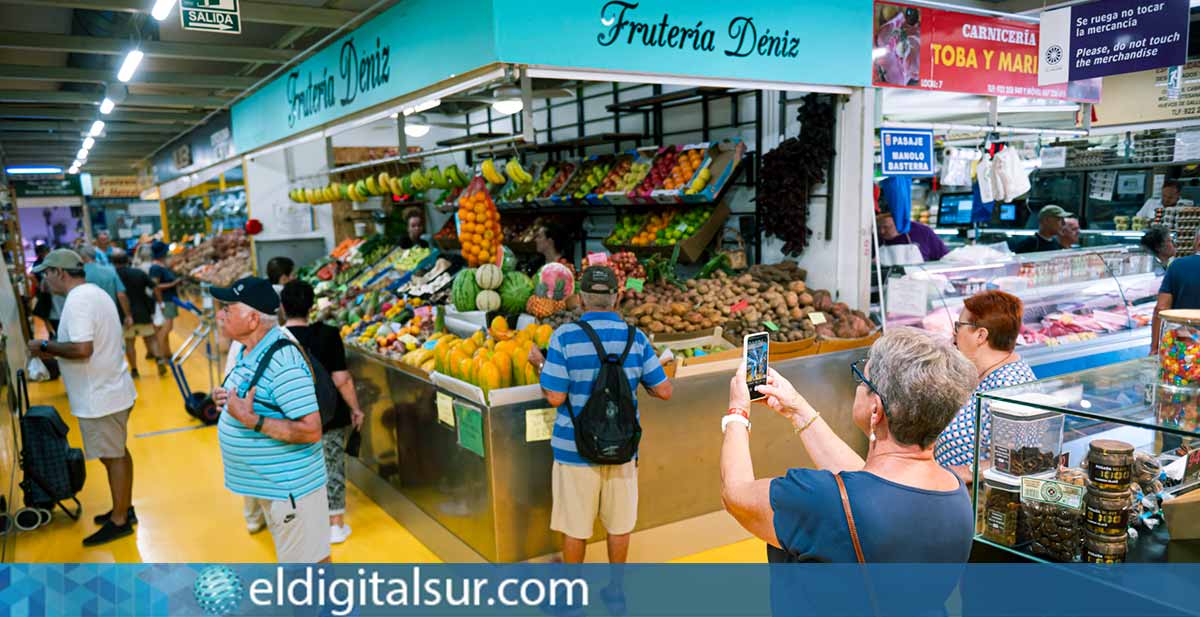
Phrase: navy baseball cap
(256, 293)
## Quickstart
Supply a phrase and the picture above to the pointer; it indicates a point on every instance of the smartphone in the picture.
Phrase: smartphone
(754, 353)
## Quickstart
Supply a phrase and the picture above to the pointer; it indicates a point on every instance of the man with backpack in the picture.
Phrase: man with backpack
(101, 392)
(270, 429)
(596, 433)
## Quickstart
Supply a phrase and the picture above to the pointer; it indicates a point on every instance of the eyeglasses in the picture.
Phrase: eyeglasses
(860, 378)
(959, 324)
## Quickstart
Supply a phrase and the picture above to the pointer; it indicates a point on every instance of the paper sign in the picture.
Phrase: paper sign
(539, 424)
(408, 339)
(1187, 146)
(1192, 470)
(817, 318)
(770, 325)
(424, 312)
(1054, 157)
(740, 305)
(1131, 184)
(470, 427)
(445, 408)
(635, 284)
(1052, 492)
(907, 297)
(906, 152)
(597, 259)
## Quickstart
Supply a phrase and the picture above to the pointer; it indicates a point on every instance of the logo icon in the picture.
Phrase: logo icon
(1054, 55)
(1051, 493)
(218, 590)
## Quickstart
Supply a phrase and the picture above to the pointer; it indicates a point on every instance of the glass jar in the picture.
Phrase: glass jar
(1179, 348)
(1106, 513)
(1110, 465)
(1000, 508)
(1105, 549)
(1025, 440)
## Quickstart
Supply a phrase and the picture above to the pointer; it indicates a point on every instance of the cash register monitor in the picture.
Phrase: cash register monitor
(954, 210)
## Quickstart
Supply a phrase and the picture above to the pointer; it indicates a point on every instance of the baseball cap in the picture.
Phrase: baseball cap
(64, 259)
(256, 293)
(159, 249)
(598, 280)
(1054, 211)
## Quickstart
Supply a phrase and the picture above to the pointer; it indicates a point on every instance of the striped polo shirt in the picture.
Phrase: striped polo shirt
(572, 366)
(255, 464)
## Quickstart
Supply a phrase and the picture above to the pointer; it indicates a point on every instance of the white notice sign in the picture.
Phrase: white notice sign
(907, 297)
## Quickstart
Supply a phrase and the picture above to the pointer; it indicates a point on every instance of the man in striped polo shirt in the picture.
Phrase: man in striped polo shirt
(582, 490)
(270, 434)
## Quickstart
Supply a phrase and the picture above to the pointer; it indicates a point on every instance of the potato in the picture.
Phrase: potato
(825, 330)
(805, 299)
(840, 309)
(792, 299)
(797, 286)
(656, 327)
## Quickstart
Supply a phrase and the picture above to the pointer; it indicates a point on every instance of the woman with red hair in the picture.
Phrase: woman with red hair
(986, 333)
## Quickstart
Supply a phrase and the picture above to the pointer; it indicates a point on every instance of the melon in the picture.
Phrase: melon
(514, 292)
(552, 274)
(464, 290)
(508, 262)
(489, 276)
(487, 300)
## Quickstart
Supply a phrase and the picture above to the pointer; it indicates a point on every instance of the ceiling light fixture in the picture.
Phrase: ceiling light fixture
(97, 128)
(73, 170)
(106, 106)
(416, 126)
(508, 100)
(82, 154)
(88, 143)
(427, 105)
(77, 163)
(36, 170)
(129, 65)
(161, 9)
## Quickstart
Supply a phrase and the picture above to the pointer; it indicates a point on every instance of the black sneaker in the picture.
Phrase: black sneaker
(101, 519)
(108, 533)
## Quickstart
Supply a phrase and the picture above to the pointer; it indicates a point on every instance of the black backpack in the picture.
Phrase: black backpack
(327, 394)
(607, 431)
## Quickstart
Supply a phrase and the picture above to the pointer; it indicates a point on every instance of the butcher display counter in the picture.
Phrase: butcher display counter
(472, 480)
(1083, 307)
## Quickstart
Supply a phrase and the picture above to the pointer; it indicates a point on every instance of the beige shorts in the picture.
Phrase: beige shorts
(104, 437)
(139, 329)
(300, 532)
(582, 491)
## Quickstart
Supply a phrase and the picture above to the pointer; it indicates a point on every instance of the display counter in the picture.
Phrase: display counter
(497, 506)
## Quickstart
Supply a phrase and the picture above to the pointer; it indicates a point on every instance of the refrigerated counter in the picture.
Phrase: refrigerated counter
(431, 477)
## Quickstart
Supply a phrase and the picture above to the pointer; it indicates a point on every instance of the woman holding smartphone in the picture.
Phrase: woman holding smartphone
(909, 388)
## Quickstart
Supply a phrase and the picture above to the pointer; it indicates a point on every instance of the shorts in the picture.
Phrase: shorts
(300, 528)
(104, 437)
(581, 492)
(139, 329)
(334, 444)
(170, 310)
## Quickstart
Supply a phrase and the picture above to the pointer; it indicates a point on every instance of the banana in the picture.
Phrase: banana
(517, 173)
(395, 185)
(456, 177)
(438, 178)
(406, 187)
(352, 193)
(419, 181)
(490, 173)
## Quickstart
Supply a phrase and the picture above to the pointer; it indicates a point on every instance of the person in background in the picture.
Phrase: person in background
(166, 285)
(581, 490)
(106, 278)
(270, 434)
(104, 249)
(43, 300)
(1068, 236)
(280, 271)
(1050, 222)
(324, 344)
(909, 387)
(927, 241)
(139, 290)
(414, 217)
(1170, 197)
(1157, 241)
(99, 388)
(1180, 290)
(143, 256)
(553, 244)
(986, 333)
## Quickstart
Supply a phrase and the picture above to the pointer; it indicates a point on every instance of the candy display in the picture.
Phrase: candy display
(1179, 347)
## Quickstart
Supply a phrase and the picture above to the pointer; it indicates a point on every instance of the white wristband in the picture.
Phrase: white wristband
(733, 417)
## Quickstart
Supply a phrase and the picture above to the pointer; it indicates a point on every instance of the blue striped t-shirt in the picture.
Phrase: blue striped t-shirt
(255, 464)
(572, 366)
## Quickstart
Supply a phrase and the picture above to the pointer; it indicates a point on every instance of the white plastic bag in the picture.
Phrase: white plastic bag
(158, 319)
(36, 370)
(1013, 178)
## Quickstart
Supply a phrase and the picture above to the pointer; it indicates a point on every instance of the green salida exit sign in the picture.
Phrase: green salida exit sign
(210, 16)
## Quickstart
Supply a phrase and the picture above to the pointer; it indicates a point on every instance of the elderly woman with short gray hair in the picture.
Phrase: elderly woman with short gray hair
(849, 509)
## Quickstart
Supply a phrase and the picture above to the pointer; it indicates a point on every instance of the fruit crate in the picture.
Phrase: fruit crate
(502, 197)
(566, 171)
(690, 248)
(641, 157)
(664, 195)
(583, 174)
(722, 161)
(660, 168)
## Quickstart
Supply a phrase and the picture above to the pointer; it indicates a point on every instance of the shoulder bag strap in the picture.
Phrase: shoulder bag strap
(849, 518)
(628, 346)
(265, 361)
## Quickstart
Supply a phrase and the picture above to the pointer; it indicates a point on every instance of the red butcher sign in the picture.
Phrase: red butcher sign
(931, 49)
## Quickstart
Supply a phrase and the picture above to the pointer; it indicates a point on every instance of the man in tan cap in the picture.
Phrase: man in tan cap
(90, 353)
(1050, 223)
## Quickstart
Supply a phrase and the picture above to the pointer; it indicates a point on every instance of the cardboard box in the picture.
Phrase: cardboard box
(675, 196)
(1183, 515)
(619, 198)
(841, 344)
(691, 248)
(723, 361)
(779, 352)
(722, 160)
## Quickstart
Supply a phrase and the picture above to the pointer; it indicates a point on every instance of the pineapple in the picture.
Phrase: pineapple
(544, 303)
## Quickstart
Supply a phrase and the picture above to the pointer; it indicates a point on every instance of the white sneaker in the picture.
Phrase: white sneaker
(337, 534)
(253, 529)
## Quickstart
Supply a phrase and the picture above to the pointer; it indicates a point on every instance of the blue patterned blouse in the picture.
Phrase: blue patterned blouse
(956, 445)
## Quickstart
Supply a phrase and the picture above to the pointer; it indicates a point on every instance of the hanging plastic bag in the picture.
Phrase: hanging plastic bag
(36, 370)
(987, 187)
(1012, 175)
(157, 319)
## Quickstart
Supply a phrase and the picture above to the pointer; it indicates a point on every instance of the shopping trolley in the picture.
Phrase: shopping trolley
(199, 405)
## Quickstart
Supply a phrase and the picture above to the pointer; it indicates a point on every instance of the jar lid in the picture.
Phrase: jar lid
(1010, 482)
(1110, 446)
(1187, 316)
(1017, 408)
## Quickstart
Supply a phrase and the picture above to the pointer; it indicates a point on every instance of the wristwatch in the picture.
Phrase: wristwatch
(45, 344)
(258, 425)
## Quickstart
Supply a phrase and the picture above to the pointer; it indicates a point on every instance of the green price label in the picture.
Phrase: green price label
(637, 285)
(771, 326)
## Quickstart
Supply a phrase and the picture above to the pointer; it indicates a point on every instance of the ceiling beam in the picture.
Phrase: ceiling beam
(155, 49)
(75, 137)
(91, 114)
(258, 12)
(95, 76)
(134, 100)
(77, 127)
(97, 151)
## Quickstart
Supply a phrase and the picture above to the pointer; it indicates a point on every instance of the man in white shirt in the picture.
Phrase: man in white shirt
(90, 353)
(1171, 190)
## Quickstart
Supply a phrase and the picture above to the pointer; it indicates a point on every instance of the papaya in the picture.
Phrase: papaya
(531, 374)
(518, 367)
(489, 377)
(468, 347)
(503, 362)
(542, 337)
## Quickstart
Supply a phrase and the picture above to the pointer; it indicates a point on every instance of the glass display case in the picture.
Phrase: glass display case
(1125, 466)
(1078, 302)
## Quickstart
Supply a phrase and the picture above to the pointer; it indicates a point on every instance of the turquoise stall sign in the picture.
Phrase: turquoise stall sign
(906, 152)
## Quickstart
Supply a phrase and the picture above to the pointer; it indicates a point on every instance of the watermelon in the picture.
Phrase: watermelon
(552, 275)
(514, 292)
(464, 290)
(509, 262)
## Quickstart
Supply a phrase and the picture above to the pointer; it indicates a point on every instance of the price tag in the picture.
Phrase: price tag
(1193, 466)
(539, 424)
(740, 305)
(424, 312)
(770, 325)
(408, 339)
(429, 345)
(817, 318)
(637, 285)
(681, 228)
(597, 259)
(445, 408)
(359, 299)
